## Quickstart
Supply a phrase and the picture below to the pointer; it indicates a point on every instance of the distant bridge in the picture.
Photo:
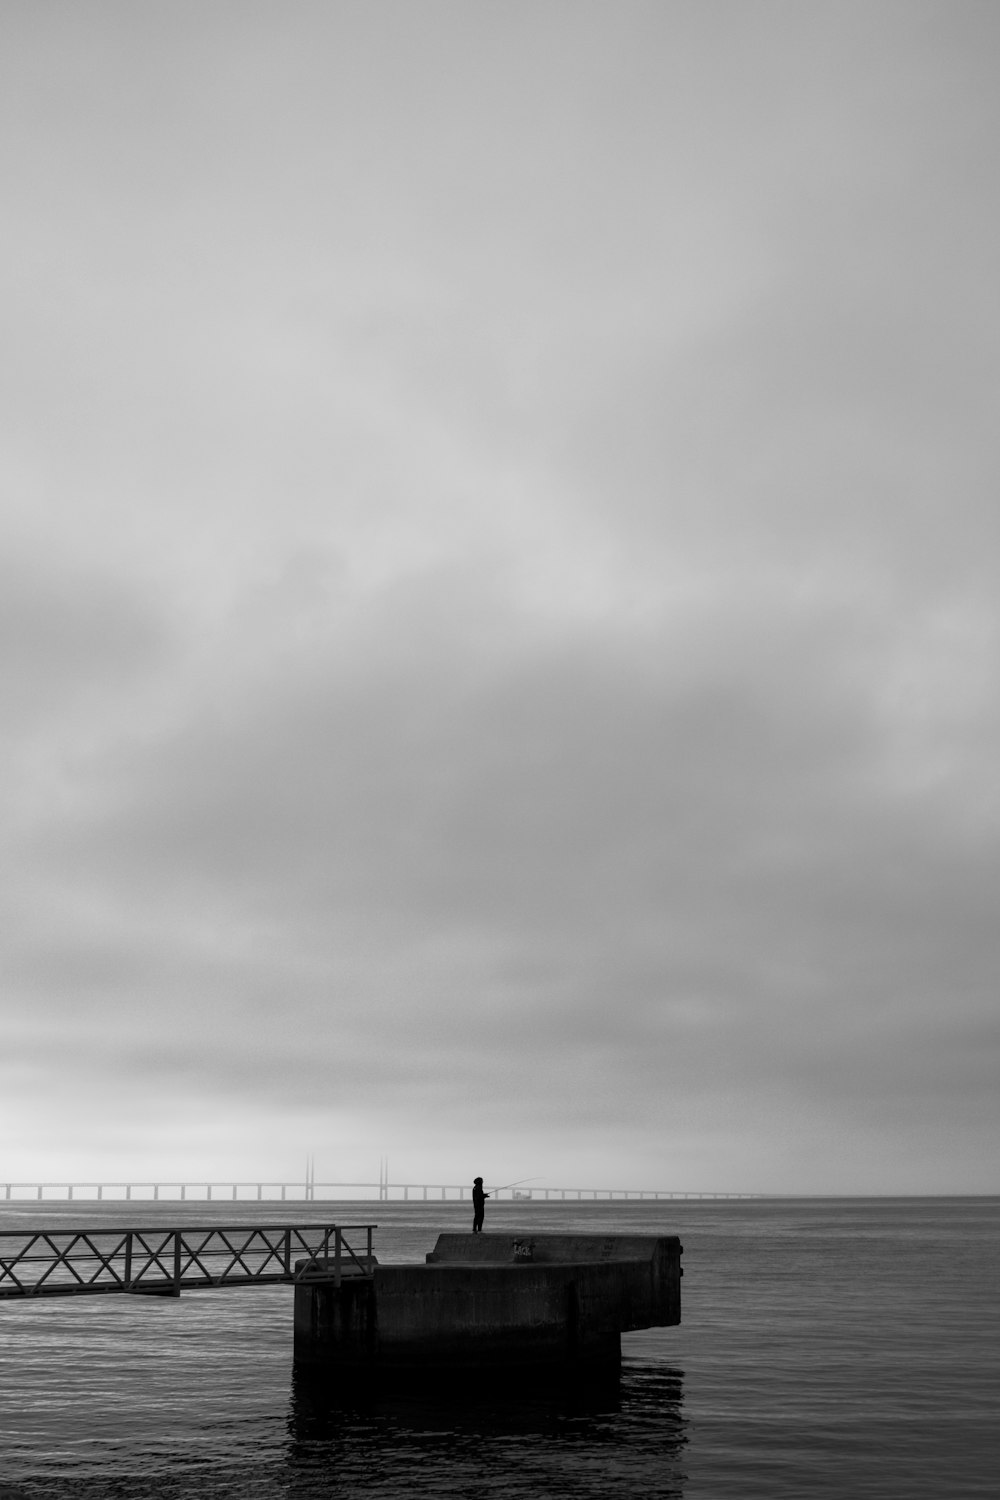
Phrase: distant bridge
(310, 1191)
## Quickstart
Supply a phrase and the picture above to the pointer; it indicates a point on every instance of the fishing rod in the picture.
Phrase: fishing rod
(518, 1183)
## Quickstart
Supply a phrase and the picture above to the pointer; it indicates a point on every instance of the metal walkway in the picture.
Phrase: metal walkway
(166, 1262)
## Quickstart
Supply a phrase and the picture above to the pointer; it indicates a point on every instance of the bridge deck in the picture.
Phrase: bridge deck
(165, 1262)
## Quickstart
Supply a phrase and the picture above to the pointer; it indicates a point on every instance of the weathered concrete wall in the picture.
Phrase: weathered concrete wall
(495, 1309)
(552, 1247)
(651, 1297)
(335, 1324)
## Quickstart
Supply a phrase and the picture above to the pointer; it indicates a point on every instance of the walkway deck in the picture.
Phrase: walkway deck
(165, 1262)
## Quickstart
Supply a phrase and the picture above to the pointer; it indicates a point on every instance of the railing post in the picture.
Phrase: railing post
(369, 1260)
(288, 1252)
(128, 1257)
(337, 1257)
(177, 1262)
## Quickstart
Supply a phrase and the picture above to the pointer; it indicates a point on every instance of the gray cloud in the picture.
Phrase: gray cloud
(501, 641)
(66, 635)
(590, 873)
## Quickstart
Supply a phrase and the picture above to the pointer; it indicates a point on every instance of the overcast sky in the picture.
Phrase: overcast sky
(500, 592)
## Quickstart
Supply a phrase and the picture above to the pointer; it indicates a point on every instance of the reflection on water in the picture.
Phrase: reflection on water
(615, 1438)
(569, 1443)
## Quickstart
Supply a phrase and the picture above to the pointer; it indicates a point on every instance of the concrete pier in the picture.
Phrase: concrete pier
(494, 1304)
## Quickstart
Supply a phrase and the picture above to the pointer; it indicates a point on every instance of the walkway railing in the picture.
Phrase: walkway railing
(165, 1262)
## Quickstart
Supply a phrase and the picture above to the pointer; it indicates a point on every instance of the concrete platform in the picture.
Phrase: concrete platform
(494, 1304)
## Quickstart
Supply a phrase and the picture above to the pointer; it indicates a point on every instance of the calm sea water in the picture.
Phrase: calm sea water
(829, 1348)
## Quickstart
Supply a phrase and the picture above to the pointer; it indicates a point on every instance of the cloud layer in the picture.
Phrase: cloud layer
(498, 597)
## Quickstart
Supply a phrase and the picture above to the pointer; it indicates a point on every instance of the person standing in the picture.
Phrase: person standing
(478, 1205)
